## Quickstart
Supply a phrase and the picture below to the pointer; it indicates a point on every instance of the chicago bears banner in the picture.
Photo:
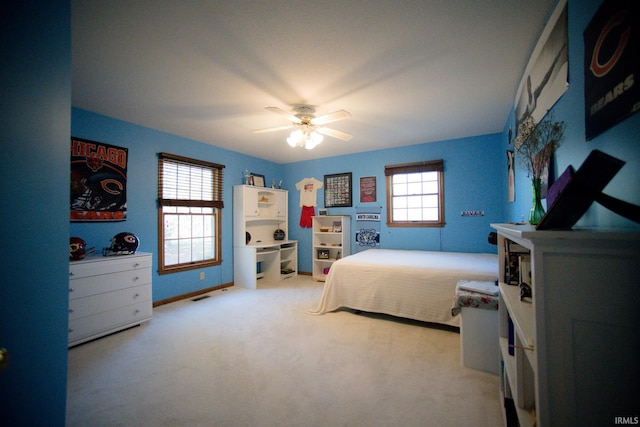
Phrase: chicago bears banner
(98, 181)
(611, 65)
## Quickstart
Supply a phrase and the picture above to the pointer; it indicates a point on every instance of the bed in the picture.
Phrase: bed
(413, 284)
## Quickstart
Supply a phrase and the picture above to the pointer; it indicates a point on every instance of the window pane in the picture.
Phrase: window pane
(414, 188)
(399, 189)
(430, 201)
(429, 176)
(170, 252)
(399, 202)
(184, 251)
(197, 225)
(209, 247)
(414, 214)
(399, 214)
(208, 225)
(399, 178)
(430, 214)
(430, 187)
(197, 249)
(414, 202)
(171, 226)
(414, 177)
(184, 227)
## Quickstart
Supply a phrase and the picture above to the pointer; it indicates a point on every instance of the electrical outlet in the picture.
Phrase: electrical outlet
(202, 275)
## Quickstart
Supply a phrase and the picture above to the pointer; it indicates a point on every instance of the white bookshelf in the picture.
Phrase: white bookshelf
(572, 346)
(331, 235)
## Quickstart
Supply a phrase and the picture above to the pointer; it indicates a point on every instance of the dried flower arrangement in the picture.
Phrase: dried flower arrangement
(535, 144)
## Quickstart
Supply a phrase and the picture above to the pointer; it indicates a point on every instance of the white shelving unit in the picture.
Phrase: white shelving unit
(331, 234)
(257, 213)
(574, 346)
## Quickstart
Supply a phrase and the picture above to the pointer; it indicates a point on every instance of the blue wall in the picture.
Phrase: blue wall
(144, 144)
(621, 141)
(34, 290)
(36, 126)
(472, 182)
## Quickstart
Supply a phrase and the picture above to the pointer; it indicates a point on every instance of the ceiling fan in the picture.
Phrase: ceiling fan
(308, 128)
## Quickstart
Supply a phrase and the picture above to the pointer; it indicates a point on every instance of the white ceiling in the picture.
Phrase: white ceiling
(409, 71)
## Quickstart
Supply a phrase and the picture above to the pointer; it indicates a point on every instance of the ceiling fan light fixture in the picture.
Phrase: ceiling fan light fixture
(295, 138)
(308, 139)
(312, 140)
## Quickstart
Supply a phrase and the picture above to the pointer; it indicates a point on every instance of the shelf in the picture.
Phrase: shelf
(334, 243)
(522, 316)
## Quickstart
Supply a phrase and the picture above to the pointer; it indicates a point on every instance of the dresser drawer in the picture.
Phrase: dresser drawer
(96, 325)
(97, 264)
(79, 288)
(94, 304)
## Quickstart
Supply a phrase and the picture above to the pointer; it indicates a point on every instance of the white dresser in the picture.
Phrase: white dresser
(108, 294)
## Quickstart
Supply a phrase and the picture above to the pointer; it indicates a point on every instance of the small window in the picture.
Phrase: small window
(415, 194)
(189, 213)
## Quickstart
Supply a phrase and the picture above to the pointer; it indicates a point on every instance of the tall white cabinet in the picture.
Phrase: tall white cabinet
(257, 256)
(331, 241)
(569, 357)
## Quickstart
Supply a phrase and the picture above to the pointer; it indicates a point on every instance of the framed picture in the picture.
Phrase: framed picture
(323, 253)
(337, 190)
(337, 227)
(257, 180)
(367, 189)
(322, 212)
(546, 75)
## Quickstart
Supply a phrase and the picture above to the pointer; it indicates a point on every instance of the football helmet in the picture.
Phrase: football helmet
(77, 248)
(124, 243)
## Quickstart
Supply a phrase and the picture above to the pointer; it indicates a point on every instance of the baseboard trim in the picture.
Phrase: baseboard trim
(191, 294)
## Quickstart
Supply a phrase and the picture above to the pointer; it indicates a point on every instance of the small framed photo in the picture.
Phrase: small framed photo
(322, 212)
(337, 227)
(323, 253)
(257, 180)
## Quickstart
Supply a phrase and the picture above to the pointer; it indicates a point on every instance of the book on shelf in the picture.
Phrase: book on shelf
(512, 262)
(524, 261)
(510, 336)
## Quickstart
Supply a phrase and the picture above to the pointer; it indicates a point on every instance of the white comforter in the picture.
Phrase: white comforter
(413, 284)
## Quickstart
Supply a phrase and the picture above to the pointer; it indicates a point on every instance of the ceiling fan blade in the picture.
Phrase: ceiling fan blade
(272, 129)
(284, 114)
(331, 117)
(335, 133)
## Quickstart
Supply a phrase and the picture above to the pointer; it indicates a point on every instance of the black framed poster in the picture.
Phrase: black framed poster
(337, 190)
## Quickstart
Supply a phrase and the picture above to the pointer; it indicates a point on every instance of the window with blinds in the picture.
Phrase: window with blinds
(189, 213)
(415, 194)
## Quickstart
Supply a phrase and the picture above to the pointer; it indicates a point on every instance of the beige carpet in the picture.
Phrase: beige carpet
(255, 358)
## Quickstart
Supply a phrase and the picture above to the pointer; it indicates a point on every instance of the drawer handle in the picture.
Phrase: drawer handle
(70, 290)
(70, 310)
(136, 264)
(136, 295)
(70, 330)
(135, 279)
(70, 273)
(136, 312)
